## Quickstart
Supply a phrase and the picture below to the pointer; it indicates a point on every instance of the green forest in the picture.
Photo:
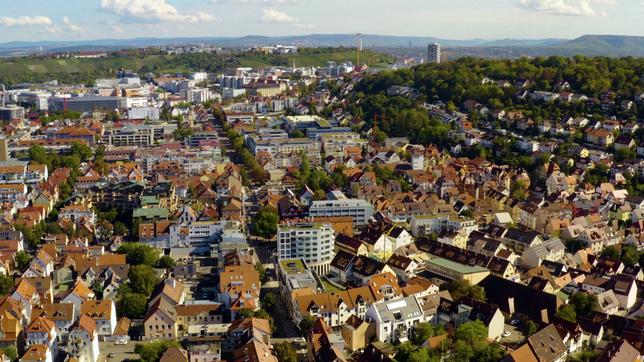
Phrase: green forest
(460, 80)
(73, 71)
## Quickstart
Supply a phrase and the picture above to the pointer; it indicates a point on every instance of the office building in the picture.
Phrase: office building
(10, 112)
(36, 100)
(434, 53)
(152, 113)
(129, 136)
(87, 103)
(197, 95)
(311, 242)
(287, 146)
(358, 209)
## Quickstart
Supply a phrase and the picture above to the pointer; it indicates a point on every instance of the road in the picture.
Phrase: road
(284, 326)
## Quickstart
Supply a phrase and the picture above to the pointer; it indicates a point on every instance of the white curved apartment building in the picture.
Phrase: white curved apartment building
(312, 242)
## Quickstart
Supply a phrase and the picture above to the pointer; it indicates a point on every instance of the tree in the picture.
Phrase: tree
(584, 356)
(263, 275)
(6, 284)
(471, 332)
(567, 312)
(38, 154)
(306, 324)
(132, 305)
(265, 222)
(11, 353)
(142, 278)
(462, 288)
(22, 260)
(379, 137)
(269, 300)
(529, 328)
(152, 351)
(584, 303)
(120, 229)
(461, 351)
(625, 154)
(285, 352)
(421, 332)
(81, 150)
(610, 252)
(489, 353)
(137, 254)
(165, 262)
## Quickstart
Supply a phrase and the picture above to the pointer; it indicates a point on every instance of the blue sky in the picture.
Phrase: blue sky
(454, 19)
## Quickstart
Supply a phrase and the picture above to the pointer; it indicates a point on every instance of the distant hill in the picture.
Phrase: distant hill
(522, 42)
(69, 70)
(312, 40)
(609, 45)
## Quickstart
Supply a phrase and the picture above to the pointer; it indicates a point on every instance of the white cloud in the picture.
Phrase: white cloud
(276, 16)
(152, 11)
(257, 2)
(68, 25)
(25, 21)
(565, 7)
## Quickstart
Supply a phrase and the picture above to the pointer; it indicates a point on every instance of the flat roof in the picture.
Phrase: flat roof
(150, 212)
(292, 266)
(457, 267)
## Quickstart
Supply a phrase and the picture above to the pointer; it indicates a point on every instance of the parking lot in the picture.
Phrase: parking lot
(121, 352)
(516, 335)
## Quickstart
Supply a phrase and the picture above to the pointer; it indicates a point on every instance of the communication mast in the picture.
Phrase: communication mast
(358, 47)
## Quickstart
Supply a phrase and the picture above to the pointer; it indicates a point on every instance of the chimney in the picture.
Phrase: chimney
(511, 305)
(544, 316)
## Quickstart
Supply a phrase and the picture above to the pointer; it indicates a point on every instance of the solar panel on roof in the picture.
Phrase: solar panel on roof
(397, 305)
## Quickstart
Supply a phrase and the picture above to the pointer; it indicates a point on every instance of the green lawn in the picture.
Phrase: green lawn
(330, 287)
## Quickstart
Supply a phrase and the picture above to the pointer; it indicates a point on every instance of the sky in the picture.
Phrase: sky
(448, 19)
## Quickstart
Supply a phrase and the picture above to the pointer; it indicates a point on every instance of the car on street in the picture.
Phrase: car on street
(506, 334)
(514, 322)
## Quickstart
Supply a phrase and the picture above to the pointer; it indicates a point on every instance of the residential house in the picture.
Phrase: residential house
(467, 309)
(161, 321)
(82, 342)
(394, 319)
(325, 345)
(42, 331)
(103, 312)
(356, 333)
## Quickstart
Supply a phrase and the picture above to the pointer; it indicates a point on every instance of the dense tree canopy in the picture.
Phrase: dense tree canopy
(152, 351)
(265, 222)
(137, 254)
(461, 288)
(460, 80)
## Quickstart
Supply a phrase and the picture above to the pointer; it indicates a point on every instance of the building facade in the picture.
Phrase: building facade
(311, 242)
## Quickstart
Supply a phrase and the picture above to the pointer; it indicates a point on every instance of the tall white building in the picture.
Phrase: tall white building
(197, 95)
(360, 210)
(312, 242)
(434, 53)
